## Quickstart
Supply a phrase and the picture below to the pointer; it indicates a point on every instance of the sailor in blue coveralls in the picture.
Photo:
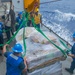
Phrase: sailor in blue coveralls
(1, 37)
(19, 20)
(72, 67)
(15, 65)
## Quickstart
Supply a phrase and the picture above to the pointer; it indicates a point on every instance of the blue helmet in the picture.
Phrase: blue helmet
(20, 13)
(74, 35)
(1, 23)
(17, 48)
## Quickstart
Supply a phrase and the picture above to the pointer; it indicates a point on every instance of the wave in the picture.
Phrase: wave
(60, 16)
(61, 23)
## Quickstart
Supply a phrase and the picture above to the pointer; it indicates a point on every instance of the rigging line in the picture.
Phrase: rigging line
(24, 41)
(50, 1)
(56, 34)
(62, 41)
(8, 42)
(39, 30)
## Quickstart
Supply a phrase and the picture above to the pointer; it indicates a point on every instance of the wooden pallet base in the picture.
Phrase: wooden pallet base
(45, 64)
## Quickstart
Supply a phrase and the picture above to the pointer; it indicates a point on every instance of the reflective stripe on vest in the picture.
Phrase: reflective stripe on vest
(12, 65)
(37, 18)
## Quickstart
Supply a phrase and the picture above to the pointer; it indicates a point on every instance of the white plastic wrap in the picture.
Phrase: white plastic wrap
(28, 32)
(39, 38)
(38, 53)
(55, 69)
(35, 35)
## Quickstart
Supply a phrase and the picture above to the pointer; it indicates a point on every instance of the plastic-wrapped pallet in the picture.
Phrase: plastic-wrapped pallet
(38, 53)
(55, 69)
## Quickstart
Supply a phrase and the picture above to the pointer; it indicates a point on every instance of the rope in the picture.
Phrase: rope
(55, 33)
(24, 42)
(61, 39)
(62, 42)
(38, 31)
(23, 23)
(8, 42)
(48, 38)
(4, 30)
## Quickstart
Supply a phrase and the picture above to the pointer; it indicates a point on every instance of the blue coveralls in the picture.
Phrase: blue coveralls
(72, 67)
(13, 63)
(19, 22)
(1, 35)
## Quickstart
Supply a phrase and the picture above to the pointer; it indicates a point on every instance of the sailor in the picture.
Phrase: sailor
(30, 16)
(12, 17)
(15, 65)
(8, 27)
(72, 67)
(19, 20)
(37, 18)
(1, 37)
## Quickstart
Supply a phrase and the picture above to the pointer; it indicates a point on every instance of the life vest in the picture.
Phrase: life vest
(12, 65)
(37, 19)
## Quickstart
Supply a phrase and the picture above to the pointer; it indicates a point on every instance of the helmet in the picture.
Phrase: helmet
(1, 24)
(17, 48)
(74, 35)
(20, 13)
(37, 9)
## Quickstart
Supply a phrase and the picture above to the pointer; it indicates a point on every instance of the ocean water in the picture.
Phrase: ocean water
(60, 17)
